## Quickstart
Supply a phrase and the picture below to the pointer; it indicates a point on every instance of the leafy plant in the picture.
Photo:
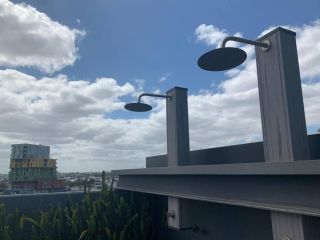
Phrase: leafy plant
(109, 217)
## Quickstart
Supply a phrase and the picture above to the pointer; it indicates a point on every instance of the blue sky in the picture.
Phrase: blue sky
(143, 39)
(67, 67)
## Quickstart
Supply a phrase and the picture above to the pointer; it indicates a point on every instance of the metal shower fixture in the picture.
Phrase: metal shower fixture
(143, 107)
(226, 58)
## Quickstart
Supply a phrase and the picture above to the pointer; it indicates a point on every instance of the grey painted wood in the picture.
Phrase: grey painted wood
(281, 102)
(253, 152)
(314, 146)
(311, 227)
(178, 148)
(287, 226)
(219, 155)
(283, 118)
(216, 222)
(174, 206)
(309, 167)
(295, 226)
(292, 194)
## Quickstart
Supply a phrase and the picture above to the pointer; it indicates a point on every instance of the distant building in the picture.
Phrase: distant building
(28, 151)
(32, 170)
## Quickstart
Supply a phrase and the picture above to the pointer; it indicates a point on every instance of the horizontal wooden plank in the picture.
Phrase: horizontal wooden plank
(253, 152)
(286, 193)
(308, 167)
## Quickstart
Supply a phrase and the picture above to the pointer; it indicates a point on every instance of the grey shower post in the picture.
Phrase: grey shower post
(283, 118)
(178, 149)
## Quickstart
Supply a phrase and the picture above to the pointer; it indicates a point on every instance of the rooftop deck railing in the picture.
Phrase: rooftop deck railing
(276, 180)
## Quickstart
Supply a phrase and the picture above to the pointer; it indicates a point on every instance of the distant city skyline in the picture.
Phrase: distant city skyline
(68, 67)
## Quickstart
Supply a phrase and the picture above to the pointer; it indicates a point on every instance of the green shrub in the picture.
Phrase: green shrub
(110, 217)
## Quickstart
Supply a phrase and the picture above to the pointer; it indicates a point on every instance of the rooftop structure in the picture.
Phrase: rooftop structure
(32, 170)
(277, 179)
(29, 151)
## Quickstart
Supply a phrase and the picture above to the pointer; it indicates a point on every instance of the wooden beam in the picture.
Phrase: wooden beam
(282, 115)
(284, 193)
(178, 149)
(281, 102)
(297, 168)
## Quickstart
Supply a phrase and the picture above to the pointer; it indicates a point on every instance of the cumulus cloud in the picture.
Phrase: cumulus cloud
(308, 48)
(164, 78)
(212, 35)
(54, 110)
(236, 107)
(29, 38)
(72, 117)
(77, 118)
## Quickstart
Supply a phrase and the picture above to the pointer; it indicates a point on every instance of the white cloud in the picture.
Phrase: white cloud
(74, 117)
(212, 35)
(164, 78)
(308, 49)
(51, 107)
(30, 38)
(235, 109)
(140, 84)
(311, 94)
(308, 45)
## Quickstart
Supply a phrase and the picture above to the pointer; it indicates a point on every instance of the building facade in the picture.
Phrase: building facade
(32, 169)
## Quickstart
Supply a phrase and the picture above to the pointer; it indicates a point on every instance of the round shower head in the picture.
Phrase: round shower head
(222, 59)
(138, 107)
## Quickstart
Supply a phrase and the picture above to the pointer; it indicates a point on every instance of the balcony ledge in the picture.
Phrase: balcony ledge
(284, 186)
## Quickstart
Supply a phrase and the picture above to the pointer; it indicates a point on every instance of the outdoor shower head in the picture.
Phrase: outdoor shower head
(143, 107)
(221, 59)
(138, 107)
(226, 58)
